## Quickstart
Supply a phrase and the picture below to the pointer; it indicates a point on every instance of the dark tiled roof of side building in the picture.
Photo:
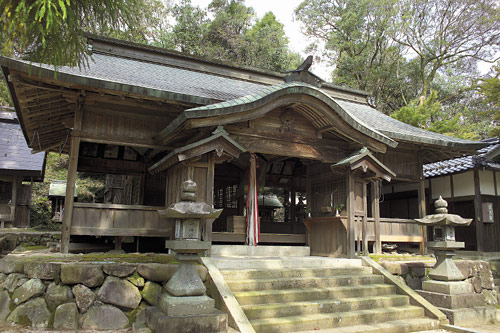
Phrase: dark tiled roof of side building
(465, 163)
(15, 155)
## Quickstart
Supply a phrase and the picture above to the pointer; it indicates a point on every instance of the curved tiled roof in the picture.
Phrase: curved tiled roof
(464, 163)
(265, 95)
(361, 116)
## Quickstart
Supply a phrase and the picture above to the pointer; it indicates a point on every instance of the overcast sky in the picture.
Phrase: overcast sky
(283, 10)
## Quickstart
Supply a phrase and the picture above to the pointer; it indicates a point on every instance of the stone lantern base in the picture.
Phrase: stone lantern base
(457, 300)
(211, 322)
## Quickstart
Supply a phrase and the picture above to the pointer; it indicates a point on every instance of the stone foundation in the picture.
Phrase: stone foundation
(10, 239)
(67, 294)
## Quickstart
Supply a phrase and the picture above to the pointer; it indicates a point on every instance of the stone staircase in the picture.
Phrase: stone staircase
(296, 294)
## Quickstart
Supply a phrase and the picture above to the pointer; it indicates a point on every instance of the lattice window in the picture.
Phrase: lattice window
(225, 197)
(230, 198)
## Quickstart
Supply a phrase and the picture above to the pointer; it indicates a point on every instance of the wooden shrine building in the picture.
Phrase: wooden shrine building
(17, 165)
(160, 117)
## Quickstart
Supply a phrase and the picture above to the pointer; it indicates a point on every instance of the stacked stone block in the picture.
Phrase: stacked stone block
(70, 296)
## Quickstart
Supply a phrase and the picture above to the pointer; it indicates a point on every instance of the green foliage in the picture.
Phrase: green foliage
(427, 113)
(267, 46)
(357, 43)
(229, 32)
(90, 189)
(51, 31)
(444, 32)
(490, 89)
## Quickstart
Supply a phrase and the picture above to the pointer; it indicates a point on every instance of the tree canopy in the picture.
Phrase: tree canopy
(229, 31)
(490, 89)
(401, 51)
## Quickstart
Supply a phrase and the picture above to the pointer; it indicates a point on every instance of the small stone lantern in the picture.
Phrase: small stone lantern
(444, 244)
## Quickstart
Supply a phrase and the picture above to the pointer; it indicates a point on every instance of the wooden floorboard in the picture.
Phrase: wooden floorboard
(233, 237)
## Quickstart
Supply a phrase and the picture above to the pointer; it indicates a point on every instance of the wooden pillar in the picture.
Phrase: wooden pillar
(308, 203)
(207, 233)
(74, 150)
(365, 220)
(478, 212)
(70, 193)
(422, 211)
(293, 211)
(377, 246)
(16, 186)
(351, 223)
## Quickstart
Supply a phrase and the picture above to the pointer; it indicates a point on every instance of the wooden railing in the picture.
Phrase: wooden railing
(95, 219)
(327, 236)
(392, 230)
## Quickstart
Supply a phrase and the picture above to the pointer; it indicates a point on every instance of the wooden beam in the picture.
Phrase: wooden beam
(207, 234)
(365, 226)
(422, 211)
(70, 192)
(70, 183)
(377, 246)
(478, 212)
(351, 223)
(119, 140)
(16, 184)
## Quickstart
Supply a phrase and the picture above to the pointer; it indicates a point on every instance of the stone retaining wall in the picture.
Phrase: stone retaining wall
(69, 296)
(477, 272)
(11, 239)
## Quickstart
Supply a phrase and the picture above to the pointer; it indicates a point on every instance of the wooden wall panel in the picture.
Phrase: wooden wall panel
(118, 220)
(406, 165)
(286, 121)
(122, 125)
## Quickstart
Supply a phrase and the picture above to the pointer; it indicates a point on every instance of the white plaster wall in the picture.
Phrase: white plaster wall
(463, 184)
(486, 180)
(441, 187)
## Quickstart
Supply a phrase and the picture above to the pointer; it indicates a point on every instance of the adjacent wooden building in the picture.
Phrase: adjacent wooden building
(17, 165)
(161, 117)
(471, 185)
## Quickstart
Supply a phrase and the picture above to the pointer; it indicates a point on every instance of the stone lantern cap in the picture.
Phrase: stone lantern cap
(188, 208)
(442, 217)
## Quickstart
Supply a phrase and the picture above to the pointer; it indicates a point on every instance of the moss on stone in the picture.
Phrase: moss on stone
(35, 247)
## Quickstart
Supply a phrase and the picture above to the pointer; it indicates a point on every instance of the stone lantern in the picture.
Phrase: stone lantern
(447, 289)
(444, 244)
(187, 216)
(185, 307)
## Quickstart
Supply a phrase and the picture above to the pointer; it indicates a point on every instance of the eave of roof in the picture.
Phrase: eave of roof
(466, 163)
(265, 95)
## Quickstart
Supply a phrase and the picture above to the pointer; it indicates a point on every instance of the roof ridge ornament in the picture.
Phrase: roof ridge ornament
(302, 74)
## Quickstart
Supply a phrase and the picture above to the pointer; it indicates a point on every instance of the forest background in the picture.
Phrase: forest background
(418, 58)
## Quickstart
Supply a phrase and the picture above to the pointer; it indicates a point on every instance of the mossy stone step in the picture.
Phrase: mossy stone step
(337, 319)
(303, 282)
(275, 310)
(308, 294)
(395, 326)
(247, 274)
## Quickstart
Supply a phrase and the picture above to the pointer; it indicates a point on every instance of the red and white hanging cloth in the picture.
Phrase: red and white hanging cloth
(253, 223)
